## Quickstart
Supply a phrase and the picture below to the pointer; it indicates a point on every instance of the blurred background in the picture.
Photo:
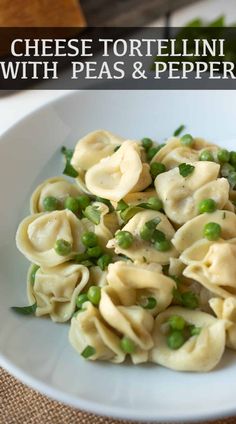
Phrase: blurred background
(85, 13)
(77, 13)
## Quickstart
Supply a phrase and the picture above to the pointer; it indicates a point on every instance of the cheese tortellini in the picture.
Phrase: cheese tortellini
(174, 153)
(89, 329)
(226, 309)
(108, 223)
(137, 251)
(37, 235)
(55, 290)
(192, 231)
(135, 283)
(181, 196)
(200, 352)
(57, 187)
(142, 250)
(209, 267)
(133, 322)
(90, 150)
(117, 175)
(93, 147)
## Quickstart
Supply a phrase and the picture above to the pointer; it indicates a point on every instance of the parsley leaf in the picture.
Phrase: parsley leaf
(185, 169)
(179, 130)
(25, 310)
(68, 170)
(93, 214)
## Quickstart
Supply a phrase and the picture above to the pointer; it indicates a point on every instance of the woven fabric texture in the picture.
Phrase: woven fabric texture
(21, 405)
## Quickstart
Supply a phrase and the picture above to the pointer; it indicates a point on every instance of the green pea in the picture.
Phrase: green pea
(157, 168)
(232, 179)
(83, 201)
(155, 203)
(50, 204)
(146, 143)
(72, 204)
(149, 303)
(226, 168)
(127, 345)
(176, 322)
(94, 252)
(62, 247)
(124, 239)
(88, 352)
(207, 206)
(162, 246)
(187, 140)
(34, 269)
(152, 152)
(175, 340)
(81, 299)
(189, 300)
(89, 239)
(212, 231)
(232, 158)
(146, 233)
(206, 155)
(104, 261)
(94, 295)
(223, 155)
(81, 257)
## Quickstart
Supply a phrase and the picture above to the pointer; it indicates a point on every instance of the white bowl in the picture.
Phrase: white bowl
(37, 351)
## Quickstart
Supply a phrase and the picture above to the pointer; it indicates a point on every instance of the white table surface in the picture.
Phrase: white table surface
(14, 107)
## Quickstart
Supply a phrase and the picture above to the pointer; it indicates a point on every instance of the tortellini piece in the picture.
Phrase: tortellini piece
(57, 187)
(93, 147)
(141, 250)
(175, 153)
(135, 283)
(97, 277)
(181, 195)
(226, 309)
(81, 182)
(176, 267)
(200, 352)
(89, 329)
(37, 235)
(117, 175)
(133, 322)
(192, 230)
(139, 197)
(55, 290)
(214, 266)
(108, 224)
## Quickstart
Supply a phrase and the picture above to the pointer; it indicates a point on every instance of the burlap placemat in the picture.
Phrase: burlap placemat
(21, 405)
